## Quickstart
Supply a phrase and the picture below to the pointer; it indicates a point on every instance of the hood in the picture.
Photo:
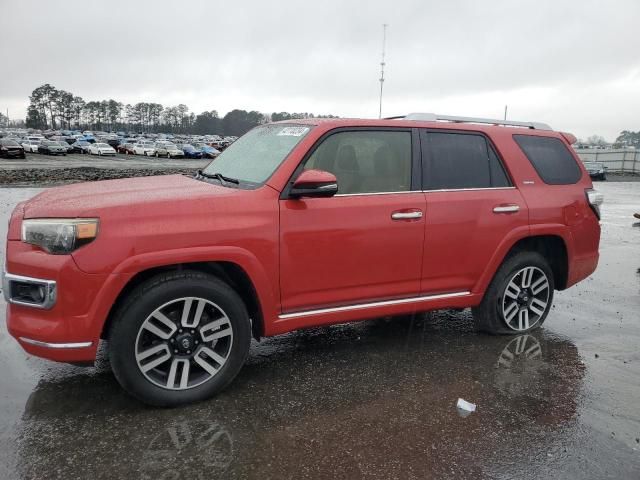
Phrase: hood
(92, 198)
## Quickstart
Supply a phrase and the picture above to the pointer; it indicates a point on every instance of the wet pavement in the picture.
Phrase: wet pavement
(369, 400)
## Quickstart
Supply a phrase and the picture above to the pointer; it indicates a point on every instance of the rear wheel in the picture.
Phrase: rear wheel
(519, 297)
(179, 338)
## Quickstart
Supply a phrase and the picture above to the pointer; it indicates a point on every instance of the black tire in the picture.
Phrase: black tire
(157, 292)
(490, 314)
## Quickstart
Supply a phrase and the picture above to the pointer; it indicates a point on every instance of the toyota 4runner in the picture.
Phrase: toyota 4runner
(300, 224)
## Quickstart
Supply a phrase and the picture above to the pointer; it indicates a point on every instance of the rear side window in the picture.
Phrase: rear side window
(460, 160)
(551, 159)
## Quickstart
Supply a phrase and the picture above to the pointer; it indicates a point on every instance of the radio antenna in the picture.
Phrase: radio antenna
(382, 64)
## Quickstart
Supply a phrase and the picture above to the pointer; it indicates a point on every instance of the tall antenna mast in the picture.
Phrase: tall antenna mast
(382, 64)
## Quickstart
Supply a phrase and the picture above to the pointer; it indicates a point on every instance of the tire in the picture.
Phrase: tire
(133, 334)
(510, 294)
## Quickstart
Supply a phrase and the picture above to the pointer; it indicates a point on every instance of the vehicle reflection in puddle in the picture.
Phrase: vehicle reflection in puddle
(371, 399)
(188, 446)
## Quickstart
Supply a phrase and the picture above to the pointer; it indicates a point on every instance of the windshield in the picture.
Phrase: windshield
(255, 156)
(593, 165)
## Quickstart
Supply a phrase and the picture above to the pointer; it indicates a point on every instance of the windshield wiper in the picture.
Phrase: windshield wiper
(219, 176)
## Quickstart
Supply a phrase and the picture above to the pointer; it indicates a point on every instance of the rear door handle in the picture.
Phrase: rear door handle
(412, 214)
(507, 208)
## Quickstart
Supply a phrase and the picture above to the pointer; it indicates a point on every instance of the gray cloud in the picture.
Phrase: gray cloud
(573, 64)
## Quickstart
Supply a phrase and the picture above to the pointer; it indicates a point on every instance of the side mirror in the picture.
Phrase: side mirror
(314, 183)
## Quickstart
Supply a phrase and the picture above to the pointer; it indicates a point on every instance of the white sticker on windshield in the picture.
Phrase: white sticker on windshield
(294, 131)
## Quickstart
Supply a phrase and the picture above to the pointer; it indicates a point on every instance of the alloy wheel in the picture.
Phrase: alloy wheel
(525, 298)
(184, 343)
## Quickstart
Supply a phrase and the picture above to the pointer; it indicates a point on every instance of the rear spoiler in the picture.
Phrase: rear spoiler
(569, 137)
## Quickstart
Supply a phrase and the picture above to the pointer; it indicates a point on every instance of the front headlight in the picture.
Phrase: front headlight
(59, 236)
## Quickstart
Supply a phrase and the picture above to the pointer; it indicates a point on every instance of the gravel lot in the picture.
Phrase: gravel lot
(369, 400)
(52, 170)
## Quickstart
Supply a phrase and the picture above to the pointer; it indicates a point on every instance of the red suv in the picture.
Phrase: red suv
(300, 224)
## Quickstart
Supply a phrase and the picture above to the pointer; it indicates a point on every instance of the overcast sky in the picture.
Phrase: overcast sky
(574, 64)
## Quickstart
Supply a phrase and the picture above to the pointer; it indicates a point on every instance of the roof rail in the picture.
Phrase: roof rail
(433, 117)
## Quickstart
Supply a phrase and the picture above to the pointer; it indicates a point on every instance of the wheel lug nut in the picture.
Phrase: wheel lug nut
(188, 351)
(179, 330)
(172, 340)
(175, 351)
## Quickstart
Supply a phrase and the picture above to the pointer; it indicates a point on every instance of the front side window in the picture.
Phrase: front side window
(257, 154)
(459, 160)
(366, 161)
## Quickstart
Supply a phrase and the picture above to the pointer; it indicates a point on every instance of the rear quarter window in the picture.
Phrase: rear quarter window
(550, 158)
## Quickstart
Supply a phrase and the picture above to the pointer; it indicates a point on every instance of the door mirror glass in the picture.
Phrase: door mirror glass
(314, 183)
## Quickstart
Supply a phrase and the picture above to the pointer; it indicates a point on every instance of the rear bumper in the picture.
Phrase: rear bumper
(581, 267)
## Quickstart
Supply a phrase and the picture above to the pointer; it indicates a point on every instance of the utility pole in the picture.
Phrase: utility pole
(382, 64)
(505, 113)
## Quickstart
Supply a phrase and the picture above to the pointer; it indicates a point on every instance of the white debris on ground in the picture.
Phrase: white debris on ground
(465, 408)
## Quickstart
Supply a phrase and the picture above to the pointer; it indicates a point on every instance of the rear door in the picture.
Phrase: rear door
(365, 243)
(472, 206)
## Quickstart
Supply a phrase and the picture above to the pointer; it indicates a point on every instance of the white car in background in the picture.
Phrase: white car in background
(144, 148)
(101, 149)
(30, 146)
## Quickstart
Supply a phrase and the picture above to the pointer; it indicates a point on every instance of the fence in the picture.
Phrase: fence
(618, 160)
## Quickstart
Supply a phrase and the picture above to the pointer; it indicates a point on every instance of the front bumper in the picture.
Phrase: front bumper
(69, 329)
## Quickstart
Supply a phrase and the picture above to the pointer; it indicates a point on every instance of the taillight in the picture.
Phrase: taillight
(595, 199)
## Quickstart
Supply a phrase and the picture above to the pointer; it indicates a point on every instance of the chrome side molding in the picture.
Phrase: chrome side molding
(362, 306)
(58, 346)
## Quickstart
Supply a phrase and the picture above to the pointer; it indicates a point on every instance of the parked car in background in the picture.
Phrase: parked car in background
(596, 170)
(80, 146)
(126, 147)
(100, 148)
(10, 148)
(31, 146)
(49, 147)
(144, 148)
(190, 151)
(168, 150)
(65, 145)
(207, 150)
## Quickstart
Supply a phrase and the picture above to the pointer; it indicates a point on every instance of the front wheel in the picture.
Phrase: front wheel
(180, 337)
(519, 297)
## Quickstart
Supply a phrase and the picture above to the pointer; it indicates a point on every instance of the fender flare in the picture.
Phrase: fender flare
(133, 265)
(520, 233)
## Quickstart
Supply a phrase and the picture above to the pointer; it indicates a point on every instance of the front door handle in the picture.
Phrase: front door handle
(412, 214)
(506, 208)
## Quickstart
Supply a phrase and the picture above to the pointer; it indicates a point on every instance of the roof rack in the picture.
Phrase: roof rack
(433, 117)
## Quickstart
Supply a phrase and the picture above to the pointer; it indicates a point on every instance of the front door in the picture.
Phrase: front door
(365, 243)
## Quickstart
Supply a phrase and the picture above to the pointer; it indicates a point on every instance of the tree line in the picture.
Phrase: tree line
(52, 108)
